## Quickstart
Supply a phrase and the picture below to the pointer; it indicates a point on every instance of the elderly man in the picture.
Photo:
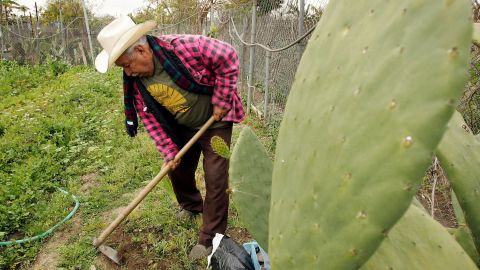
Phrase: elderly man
(175, 83)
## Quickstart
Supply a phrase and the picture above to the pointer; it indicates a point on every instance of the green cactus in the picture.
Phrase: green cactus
(457, 209)
(371, 98)
(419, 205)
(462, 234)
(220, 147)
(419, 242)
(464, 237)
(251, 180)
(459, 153)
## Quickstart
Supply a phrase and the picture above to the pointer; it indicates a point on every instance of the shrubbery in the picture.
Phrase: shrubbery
(53, 129)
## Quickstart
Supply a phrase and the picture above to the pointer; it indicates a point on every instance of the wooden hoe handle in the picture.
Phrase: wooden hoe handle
(133, 204)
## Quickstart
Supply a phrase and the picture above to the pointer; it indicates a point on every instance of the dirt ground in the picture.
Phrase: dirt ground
(443, 208)
(48, 257)
(132, 252)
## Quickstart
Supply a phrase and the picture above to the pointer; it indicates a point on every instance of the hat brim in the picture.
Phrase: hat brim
(104, 60)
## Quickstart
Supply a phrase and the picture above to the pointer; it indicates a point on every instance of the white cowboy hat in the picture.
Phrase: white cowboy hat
(116, 37)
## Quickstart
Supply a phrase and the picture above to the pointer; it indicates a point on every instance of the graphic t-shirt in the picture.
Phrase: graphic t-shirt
(189, 109)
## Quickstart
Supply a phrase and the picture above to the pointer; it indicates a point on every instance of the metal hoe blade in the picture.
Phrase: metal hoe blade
(111, 253)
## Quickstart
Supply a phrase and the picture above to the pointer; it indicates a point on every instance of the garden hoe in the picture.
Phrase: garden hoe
(112, 253)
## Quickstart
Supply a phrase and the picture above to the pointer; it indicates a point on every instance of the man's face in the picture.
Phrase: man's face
(139, 63)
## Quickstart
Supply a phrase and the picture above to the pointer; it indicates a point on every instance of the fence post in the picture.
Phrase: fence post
(82, 52)
(18, 25)
(243, 49)
(88, 31)
(268, 57)
(301, 28)
(1, 43)
(37, 41)
(63, 34)
(252, 56)
(212, 18)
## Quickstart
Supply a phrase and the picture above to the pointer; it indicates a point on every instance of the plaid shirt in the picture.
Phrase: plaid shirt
(209, 62)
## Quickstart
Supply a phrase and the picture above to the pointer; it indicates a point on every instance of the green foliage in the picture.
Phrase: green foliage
(459, 153)
(469, 105)
(16, 79)
(250, 182)
(52, 130)
(68, 131)
(266, 6)
(71, 9)
(29, 162)
(213, 33)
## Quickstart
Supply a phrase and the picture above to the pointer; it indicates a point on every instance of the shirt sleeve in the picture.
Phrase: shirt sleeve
(221, 58)
(163, 143)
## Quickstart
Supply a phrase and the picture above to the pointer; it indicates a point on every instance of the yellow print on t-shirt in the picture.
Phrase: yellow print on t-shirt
(170, 98)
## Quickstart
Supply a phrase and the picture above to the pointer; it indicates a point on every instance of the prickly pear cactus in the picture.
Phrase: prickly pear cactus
(251, 184)
(220, 147)
(457, 209)
(459, 153)
(371, 98)
(463, 236)
(462, 233)
(419, 242)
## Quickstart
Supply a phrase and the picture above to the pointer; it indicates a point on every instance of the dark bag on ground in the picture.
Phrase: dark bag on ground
(229, 255)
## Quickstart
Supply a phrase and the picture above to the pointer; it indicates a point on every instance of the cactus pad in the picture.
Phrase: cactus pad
(372, 96)
(220, 147)
(459, 153)
(419, 242)
(251, 184)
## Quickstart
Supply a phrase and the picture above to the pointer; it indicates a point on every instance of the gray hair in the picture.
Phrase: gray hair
(141, 41)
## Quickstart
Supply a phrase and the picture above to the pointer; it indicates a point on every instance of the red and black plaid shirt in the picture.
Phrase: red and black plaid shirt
(209, 62)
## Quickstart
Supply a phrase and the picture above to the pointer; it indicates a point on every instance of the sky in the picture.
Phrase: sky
(100, 7)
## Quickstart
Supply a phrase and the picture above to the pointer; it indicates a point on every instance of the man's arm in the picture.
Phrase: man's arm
(221, 58)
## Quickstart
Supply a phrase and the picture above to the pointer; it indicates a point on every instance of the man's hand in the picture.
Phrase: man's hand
(172, 163)
(218, 112)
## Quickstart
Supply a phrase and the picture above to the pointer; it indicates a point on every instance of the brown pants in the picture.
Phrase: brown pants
(215, 207)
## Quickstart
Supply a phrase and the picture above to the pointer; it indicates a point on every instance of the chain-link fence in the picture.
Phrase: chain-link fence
(30, 42)
(270, 39)
(270, 36)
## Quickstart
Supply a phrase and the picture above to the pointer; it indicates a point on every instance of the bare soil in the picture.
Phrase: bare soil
(48, 257)
(442, 209)
(241, 235)
(88, 182)
(130, 252)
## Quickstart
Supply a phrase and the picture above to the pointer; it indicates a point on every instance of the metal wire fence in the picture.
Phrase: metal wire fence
(271, 39)
(270, 36)
(33, 43)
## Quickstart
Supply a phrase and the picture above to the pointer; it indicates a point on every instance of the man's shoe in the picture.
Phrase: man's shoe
(199, 251)
(185, 214)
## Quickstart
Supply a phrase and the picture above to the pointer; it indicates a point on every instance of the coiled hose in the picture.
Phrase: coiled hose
(49, 231)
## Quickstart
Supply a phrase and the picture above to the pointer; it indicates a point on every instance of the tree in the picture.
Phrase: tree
(5, 6)
(175, 11)
(71, 9)
(265, 6)
(23, 9)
